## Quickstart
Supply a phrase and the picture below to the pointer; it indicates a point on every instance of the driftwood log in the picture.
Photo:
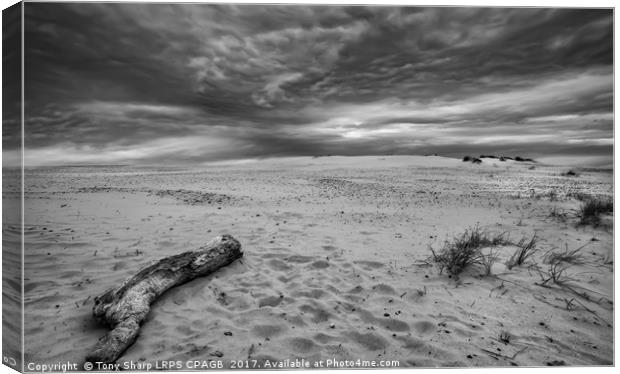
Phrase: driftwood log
(123, 308)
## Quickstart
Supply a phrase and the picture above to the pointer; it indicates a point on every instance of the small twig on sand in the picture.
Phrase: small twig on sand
(497, 355)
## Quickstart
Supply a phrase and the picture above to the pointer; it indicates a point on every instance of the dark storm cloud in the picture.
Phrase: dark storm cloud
(193, 83)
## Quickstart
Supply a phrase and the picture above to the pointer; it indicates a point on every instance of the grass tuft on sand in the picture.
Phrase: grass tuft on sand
(591, 209)
(570, 256)
(465, 250)
(526, 249)
(559, 263)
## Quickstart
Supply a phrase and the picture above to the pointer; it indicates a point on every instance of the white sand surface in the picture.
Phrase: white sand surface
(336, 261)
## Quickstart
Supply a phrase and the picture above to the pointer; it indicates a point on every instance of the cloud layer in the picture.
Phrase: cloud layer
(188, 83)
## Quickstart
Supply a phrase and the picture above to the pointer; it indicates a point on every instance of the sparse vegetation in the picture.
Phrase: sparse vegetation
(487, 260)
(473, 160)
(521, 159)
(551, 194)
(505, 337)
(526, 248)
(461, 253)
(578, 195)
(465, 250)
(574, 257)
(591, 209)
(558, 214)
(569, 303)
(501, 158)
(559, 263)
(556, 272)
(421, 292)
(500, 239)
(570, 173)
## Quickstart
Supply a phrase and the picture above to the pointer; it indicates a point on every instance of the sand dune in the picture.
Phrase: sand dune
(336, 262)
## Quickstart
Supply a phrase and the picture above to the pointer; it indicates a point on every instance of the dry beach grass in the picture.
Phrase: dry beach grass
(337, 261)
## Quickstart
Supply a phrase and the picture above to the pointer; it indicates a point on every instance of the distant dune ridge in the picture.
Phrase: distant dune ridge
(336, 261)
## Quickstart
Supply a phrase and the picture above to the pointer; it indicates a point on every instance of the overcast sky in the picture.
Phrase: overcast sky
(180, 84)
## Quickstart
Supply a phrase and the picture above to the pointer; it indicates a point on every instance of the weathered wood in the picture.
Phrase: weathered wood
(123, 308)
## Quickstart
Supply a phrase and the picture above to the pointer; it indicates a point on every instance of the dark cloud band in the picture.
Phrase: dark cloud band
(180, 83)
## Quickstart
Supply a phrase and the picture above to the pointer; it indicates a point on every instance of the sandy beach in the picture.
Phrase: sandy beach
(336, 261)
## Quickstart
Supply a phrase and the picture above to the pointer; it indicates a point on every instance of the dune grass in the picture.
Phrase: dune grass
(473, 160)
(487, 260)
(558, 264)
(569, 256)
(591, 209)
(570, 173)
(526, 249)
(465, 250)
(556, 273)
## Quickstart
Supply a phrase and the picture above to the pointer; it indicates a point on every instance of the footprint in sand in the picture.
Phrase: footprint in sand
(422, 348)
(324, 338)
(424, 327)
(278, 265)
(299, 259)
(270, 301)
(394, 325)
(185, 330)
(320, 264)
(370, 233)
(255, 285)
(268, 331)
(285, 279)
(383, 289)
(391, 324)
(365, 315)
(311, 294)
(414, 344)
(119, 265)
(369, 265)
(302, 345)
(318, 314)
(370, 341)
(356, 290)
(269, 255)
(239, 302)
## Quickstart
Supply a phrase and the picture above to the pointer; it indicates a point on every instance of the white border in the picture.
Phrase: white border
(486, 3)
